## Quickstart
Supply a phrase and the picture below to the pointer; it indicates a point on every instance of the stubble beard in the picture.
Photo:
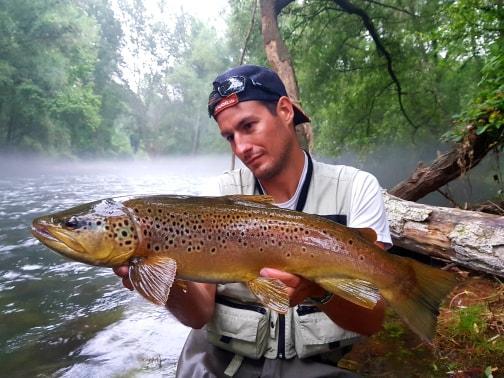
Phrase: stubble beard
(274, 169)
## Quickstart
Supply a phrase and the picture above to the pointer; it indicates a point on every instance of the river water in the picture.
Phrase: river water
(64, 318)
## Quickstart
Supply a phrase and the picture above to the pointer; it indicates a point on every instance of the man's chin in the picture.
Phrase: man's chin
(263, 172)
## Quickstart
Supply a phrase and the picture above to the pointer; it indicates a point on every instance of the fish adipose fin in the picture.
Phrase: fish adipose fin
(272, 293)
(153, 277)
(418, 304)
(360, 292)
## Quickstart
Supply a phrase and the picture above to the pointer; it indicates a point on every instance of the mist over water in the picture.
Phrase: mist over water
(63, 318)
(392, 164)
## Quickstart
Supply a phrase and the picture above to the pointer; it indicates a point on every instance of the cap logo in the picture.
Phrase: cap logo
(226, 102)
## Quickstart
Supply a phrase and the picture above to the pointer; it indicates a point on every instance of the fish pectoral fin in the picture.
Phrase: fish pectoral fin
(153, 277)
(272, 293)
(360, 292)
(366, 233)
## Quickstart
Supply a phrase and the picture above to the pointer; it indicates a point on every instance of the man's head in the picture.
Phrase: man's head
(248, 83)
(255, 115)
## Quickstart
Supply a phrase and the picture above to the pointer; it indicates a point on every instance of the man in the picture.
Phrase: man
(232, 334)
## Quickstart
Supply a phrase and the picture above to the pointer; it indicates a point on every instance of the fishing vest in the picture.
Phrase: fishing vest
(243, 326)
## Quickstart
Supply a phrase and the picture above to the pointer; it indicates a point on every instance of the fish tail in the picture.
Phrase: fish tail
(417, 300)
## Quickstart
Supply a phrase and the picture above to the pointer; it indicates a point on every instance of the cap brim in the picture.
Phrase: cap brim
(299, 115)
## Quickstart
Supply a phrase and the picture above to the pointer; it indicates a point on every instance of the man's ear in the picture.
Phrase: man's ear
(285, 110)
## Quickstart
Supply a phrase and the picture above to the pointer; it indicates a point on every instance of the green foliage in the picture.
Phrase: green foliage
(438, 52)
(485, 113)
(239, 22)
(85, 78)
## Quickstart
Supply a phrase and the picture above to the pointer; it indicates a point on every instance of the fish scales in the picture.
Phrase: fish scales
(230, 239)
(247, 239)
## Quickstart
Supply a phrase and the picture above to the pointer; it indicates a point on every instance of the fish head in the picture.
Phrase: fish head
(99, 233)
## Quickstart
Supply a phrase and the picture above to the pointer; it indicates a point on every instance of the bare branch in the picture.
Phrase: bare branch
(281, 4)
(249, 33)
(368, 23)
(392, 7)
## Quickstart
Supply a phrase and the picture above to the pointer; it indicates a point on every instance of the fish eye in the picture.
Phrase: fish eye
(72, 223)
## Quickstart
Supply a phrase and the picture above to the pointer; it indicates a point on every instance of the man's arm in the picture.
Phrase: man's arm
(192, 303)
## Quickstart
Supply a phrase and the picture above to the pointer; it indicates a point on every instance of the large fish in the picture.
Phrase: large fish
(230, 238)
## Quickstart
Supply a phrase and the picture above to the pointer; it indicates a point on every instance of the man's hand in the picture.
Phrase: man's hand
(346, 314)
(192, 303)
(298, 288)
(123, 272)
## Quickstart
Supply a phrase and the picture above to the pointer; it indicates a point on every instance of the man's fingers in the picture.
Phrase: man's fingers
(121, 271)
(289, 279)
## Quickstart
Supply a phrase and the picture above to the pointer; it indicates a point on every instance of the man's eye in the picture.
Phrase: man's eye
(229, 138)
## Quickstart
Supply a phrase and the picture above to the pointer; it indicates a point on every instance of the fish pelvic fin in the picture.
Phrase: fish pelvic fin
(272, 293)
(360, 292)
(153, 277)
(418, 303)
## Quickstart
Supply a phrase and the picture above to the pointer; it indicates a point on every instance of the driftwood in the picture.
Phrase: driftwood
(469, 238)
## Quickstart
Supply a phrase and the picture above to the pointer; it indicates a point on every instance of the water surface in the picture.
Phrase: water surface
(64, 318)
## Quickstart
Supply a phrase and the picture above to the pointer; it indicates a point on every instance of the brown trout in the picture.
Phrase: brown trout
(230, 238)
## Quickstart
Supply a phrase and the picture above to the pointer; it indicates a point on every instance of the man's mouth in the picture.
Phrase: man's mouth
(252, 160)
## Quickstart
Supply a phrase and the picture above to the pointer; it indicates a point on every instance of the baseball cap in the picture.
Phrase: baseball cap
(245, 83)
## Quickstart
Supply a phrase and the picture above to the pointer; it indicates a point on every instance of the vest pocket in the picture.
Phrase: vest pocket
(315, 333)
(239, 328)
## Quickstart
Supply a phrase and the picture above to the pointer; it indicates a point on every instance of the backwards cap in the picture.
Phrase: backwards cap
(245, 83)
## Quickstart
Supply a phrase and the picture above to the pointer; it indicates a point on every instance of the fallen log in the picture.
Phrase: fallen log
(469, 238)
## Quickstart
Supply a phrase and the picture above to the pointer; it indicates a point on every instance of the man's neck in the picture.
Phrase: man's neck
(283, 185)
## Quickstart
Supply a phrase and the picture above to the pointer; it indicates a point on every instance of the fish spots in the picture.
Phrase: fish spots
(361, 258)
(350, 242)
(122, 231)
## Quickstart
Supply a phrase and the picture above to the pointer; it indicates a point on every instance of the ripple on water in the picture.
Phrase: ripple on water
(116, 349)
(32, 267)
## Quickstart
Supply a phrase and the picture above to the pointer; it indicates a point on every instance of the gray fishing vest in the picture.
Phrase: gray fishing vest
(243, 326)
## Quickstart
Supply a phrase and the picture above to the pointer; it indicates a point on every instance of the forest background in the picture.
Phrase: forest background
(100, 78)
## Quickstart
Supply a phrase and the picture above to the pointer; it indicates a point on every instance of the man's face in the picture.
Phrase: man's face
(261, 140)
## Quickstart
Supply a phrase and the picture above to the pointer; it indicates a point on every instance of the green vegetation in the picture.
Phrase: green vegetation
(469, 340)
(82, 78)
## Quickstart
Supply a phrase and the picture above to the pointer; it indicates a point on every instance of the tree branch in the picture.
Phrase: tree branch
(391, 7)
(368, 24)
(281, 4)
(249, 33)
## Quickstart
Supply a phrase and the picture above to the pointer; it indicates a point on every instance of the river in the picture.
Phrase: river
(66, 319)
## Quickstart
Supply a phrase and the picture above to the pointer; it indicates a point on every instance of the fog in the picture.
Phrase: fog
(389, 165)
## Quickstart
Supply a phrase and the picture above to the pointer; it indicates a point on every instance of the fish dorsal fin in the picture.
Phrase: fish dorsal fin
(360, 292)
(252, 200)
(153, 277)
(366, 233)
(272, 293)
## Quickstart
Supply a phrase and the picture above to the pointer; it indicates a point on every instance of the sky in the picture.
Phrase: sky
(200, 8)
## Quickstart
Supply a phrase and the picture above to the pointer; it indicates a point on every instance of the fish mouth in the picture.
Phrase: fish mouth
(57, 238)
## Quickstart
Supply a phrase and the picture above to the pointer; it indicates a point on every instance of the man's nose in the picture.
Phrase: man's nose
(242, 145)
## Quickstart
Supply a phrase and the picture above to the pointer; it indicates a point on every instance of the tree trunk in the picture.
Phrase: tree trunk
(280, 60)
(469, 238)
